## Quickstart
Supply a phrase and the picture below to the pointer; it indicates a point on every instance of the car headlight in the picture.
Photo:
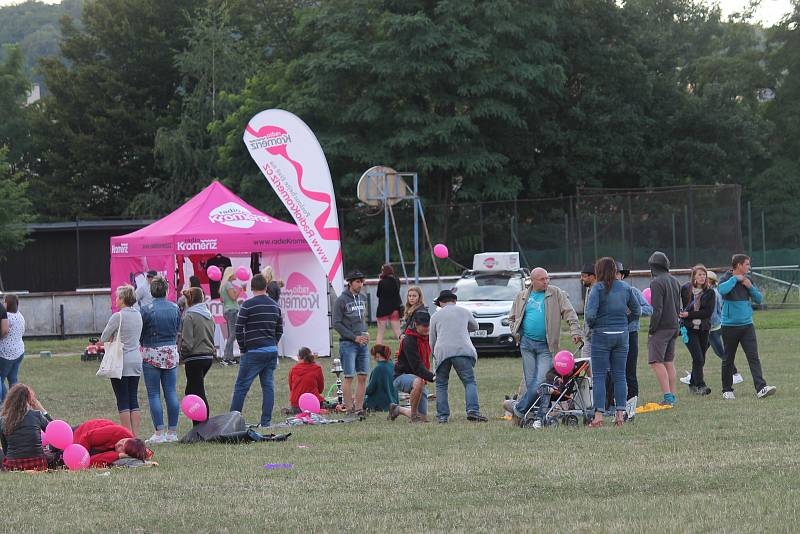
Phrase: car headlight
(504, 321)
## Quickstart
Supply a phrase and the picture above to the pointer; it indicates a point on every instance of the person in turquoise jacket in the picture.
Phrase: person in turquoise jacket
(380, 388)
(738, 289)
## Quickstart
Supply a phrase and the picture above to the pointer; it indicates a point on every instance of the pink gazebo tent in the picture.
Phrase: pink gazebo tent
(216, 221)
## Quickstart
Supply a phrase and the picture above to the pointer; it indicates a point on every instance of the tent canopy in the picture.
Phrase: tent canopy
(214, 220)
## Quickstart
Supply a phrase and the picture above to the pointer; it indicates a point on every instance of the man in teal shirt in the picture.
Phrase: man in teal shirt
(737, 289)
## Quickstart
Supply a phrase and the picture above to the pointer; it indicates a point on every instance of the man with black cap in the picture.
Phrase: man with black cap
(588, 278)
(143, 296)
(412, 369)
(453, 348)
(350, 320)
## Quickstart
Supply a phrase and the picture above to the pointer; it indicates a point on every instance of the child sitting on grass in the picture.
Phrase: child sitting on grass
(305, 377)
(380, 389)
(21, 425)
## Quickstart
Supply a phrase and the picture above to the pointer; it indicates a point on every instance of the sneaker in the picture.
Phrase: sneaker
(158, 437)
(766, 391)
(728, 395)
(705, 390)
(669, 400)
(476, 417)
(171, 437)
(630, 407)
(738, 378)
(442, 420)
(537, 424)
(687, 379)
(394, 411)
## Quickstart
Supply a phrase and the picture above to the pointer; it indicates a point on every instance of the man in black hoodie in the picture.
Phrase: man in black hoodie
(665, 293)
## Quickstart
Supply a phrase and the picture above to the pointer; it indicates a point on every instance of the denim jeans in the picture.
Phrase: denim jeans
(536, 362)
(609, 354)
(155, 379)
(465, 368)
(230, 320)
(9, 369)
(354, 357)
(630, 365)
(254, 364)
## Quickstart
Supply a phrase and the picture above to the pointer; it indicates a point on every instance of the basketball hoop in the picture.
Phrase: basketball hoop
(380, 185)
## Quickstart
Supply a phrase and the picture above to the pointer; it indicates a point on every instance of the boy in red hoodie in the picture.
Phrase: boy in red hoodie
(305, 377)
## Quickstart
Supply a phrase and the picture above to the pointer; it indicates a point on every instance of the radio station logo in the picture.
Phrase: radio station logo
(235, 215)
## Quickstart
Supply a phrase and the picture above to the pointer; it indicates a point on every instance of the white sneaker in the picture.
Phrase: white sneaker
(687, 379)
(171, 437)
(738, 378)
(630, 407)
(766, 391)
(158, 437)
(537, 424)
(728, 395)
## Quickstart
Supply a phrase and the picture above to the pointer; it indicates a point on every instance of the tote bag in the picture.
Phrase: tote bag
(111, 366)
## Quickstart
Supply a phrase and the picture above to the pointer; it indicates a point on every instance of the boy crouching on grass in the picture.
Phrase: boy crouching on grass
(380, 392)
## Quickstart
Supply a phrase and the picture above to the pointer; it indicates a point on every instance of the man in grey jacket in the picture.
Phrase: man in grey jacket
(452, 348)
(665, 296)
(350, 320)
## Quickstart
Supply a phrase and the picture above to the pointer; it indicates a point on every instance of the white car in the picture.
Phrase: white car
(489, 297)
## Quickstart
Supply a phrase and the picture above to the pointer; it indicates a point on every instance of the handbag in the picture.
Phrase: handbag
(111, 366)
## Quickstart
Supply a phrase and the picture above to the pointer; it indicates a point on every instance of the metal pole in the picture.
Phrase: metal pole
(764, 238)
(686, 232)
(480, 219)
(594, 227)
(416, 231)
(386, 248)
(632, 247)
(566, 241)
(622, 234)
(511, 235)
(78, 248)
(674, 241)
(749, 228)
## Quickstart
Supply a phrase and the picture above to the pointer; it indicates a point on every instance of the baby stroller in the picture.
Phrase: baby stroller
(94, 351)
(568, 398)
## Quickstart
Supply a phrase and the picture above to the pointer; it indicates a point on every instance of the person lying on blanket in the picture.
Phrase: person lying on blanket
(107, 442)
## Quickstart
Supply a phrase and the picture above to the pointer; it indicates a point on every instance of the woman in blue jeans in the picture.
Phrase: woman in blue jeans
(12, 347)
(160, 322)
(610, 307)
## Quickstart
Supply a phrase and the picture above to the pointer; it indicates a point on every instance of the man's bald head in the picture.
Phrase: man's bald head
(539, 279)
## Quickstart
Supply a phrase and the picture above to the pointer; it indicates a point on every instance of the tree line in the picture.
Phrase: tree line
(146, 100)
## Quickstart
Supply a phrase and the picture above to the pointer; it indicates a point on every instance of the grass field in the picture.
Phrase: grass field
(708, 465)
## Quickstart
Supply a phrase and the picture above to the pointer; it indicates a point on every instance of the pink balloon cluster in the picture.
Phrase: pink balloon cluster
(59, 434)
(194, 408)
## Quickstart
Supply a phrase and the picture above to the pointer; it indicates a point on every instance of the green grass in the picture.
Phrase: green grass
(708, 465)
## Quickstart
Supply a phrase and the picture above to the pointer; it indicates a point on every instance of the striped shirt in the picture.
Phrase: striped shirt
(259, 323)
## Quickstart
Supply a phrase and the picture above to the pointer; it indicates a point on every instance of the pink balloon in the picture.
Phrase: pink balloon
(214, 273)
(309, 403)
(59, 434)
(243, 274)
(647, 296)
(563, 362)
(440, 251)
(45, 443)
(194, 408)
(76, 457)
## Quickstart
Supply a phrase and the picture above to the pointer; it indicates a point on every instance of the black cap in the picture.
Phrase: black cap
(588, 268)
(354, 275)
(152, 274)
(422, 317)
(622, 270)
(445, 296)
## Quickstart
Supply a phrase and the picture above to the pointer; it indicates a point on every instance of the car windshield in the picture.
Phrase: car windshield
(489, 287)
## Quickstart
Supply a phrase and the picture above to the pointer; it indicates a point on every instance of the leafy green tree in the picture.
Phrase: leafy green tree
(15, 125)
(113, 86)
(15, 208)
